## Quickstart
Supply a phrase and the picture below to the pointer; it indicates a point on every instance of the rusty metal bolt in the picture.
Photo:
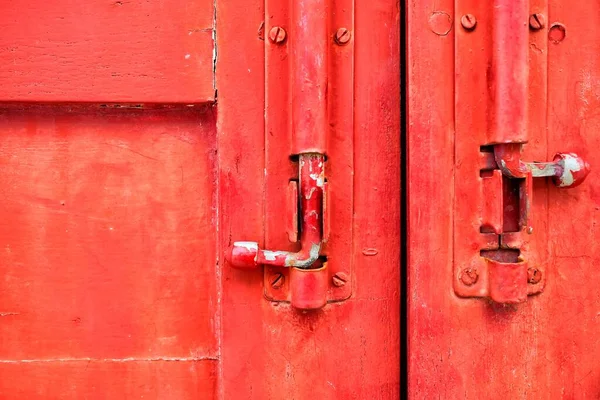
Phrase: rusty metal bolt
(277, 35)
(469, 276)
(468, 21)
(537, 21)
(340, 279)
(277, 280)
(534, 275)
(342, 36)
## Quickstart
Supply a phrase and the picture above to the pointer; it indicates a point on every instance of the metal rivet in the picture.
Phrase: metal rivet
(340, 279)
(537, 21)
(469, 276)
(534, 275)
(277, 280)
(530, 230)
(342, 36)
(468, 21)
(277, 35)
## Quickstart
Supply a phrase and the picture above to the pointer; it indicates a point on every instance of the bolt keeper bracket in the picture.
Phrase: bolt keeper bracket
(493, 186)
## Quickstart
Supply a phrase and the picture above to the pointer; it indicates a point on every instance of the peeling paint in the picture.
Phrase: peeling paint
(272, 255)
(571, 164)
(250, 246)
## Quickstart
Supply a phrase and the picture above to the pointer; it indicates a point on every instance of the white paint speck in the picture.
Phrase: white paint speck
(250, 246)
(187, 56)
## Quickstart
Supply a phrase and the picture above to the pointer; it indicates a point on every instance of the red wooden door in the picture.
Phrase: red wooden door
(502, 294)
(124, 179)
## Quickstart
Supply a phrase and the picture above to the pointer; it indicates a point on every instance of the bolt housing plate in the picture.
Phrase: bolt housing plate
(338, 191)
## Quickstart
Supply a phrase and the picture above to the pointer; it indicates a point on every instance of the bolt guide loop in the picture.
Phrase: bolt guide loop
(497, 265)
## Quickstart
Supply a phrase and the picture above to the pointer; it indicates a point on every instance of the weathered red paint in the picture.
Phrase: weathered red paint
(296, 92)
(309, 53)
(466, 348)
(308, 287)
(269, 350)
(498, 216)
(107, 51)
(125, 185)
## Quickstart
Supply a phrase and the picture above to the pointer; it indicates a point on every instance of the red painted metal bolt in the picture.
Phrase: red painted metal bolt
(468, 21)
(277, 280)
(537, 21)
(469, 276)
(277, 35)
(342, 36)
(340, 279)
(534, 275)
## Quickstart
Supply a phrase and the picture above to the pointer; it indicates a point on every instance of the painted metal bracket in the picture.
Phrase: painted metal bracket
(309, 153)
(493, 185)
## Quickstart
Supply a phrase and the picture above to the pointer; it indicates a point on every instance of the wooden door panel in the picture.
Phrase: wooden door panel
(108, 379)
(349, 349)
(472, 348)
(107, 51)
(108, 245)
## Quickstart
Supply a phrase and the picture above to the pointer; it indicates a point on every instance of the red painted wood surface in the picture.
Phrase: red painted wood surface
(116, 212)
(108, 252)
(107, 51)
(467, 348)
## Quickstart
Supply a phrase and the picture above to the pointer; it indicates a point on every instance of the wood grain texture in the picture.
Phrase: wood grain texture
(105, 379)
(107, 234)
(107, 51)
(546, 347)
(349, 350)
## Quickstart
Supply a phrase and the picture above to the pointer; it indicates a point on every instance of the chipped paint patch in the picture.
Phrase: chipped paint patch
(250, 246)
(319, 178)
(272, 255)
(571, 164)
(292, 260)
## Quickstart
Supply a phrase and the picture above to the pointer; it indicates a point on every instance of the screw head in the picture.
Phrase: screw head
(277, 35)
(537, 21)
(277, 280)
(468, 21)
(534, 275)
(342, 36)
(340, 279)
(469, 276)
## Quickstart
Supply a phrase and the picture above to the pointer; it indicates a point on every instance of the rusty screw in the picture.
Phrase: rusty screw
(537, 21)
(277, 280)
(469, 276)
(468, 21)
(340, 279)
(534, 275)
(277, 35)
(342, 36)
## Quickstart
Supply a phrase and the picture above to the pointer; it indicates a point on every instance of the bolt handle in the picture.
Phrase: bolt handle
(243, 255)
(574, 170)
